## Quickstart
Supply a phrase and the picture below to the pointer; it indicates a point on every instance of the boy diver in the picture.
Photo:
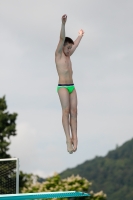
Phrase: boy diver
(66, 89)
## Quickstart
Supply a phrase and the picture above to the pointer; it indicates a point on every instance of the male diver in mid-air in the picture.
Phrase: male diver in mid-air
(66, 88)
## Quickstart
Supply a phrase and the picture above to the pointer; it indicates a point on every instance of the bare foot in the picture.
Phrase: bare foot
(69, 146)
(75, 143)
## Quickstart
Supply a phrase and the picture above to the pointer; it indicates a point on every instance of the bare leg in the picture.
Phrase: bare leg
(65, 103)
(73, 118)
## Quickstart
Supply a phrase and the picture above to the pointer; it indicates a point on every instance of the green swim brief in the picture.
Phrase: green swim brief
(69, 87)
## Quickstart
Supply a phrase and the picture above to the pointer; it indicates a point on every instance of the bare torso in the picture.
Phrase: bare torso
(64, 69)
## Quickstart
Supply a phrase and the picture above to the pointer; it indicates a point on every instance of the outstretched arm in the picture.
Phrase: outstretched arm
(77, 41)
(62, 36)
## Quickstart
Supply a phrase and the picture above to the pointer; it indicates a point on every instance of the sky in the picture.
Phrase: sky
(103, 71)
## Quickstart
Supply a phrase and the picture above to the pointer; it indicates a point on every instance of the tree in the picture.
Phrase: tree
(73, 183)
(7, 128)
(25, 179)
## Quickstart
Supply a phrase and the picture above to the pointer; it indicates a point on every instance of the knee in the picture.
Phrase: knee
(66, 112)
(73, 112)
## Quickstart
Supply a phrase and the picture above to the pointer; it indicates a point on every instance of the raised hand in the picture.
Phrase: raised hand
(81, 32)
(64, 18)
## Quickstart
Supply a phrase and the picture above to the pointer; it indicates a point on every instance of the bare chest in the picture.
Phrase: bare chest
(67, 66)
(67, 63)
(64, 65)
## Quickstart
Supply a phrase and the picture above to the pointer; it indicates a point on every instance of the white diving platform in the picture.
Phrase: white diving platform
(43, 195)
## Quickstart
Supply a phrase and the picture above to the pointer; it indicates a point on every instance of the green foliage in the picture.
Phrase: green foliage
(98, 196)
(112, 173)
(55, 183)
(7, 128)
(24, 180)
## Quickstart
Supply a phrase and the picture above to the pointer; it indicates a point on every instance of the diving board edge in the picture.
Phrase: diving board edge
(43, 195)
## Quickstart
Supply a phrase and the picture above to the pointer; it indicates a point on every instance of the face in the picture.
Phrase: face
(67, 49)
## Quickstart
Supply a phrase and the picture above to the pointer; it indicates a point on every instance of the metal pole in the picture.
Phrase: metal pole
(8, 159)
(17, 176)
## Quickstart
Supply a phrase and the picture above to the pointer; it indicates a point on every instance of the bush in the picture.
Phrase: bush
(55, 183)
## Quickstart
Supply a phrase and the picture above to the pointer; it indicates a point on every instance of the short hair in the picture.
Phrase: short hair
(68, 40)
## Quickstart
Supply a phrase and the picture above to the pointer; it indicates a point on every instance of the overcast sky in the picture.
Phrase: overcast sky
(103, 77)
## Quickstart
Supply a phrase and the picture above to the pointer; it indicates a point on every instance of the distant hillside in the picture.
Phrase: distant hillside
(113, 173)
